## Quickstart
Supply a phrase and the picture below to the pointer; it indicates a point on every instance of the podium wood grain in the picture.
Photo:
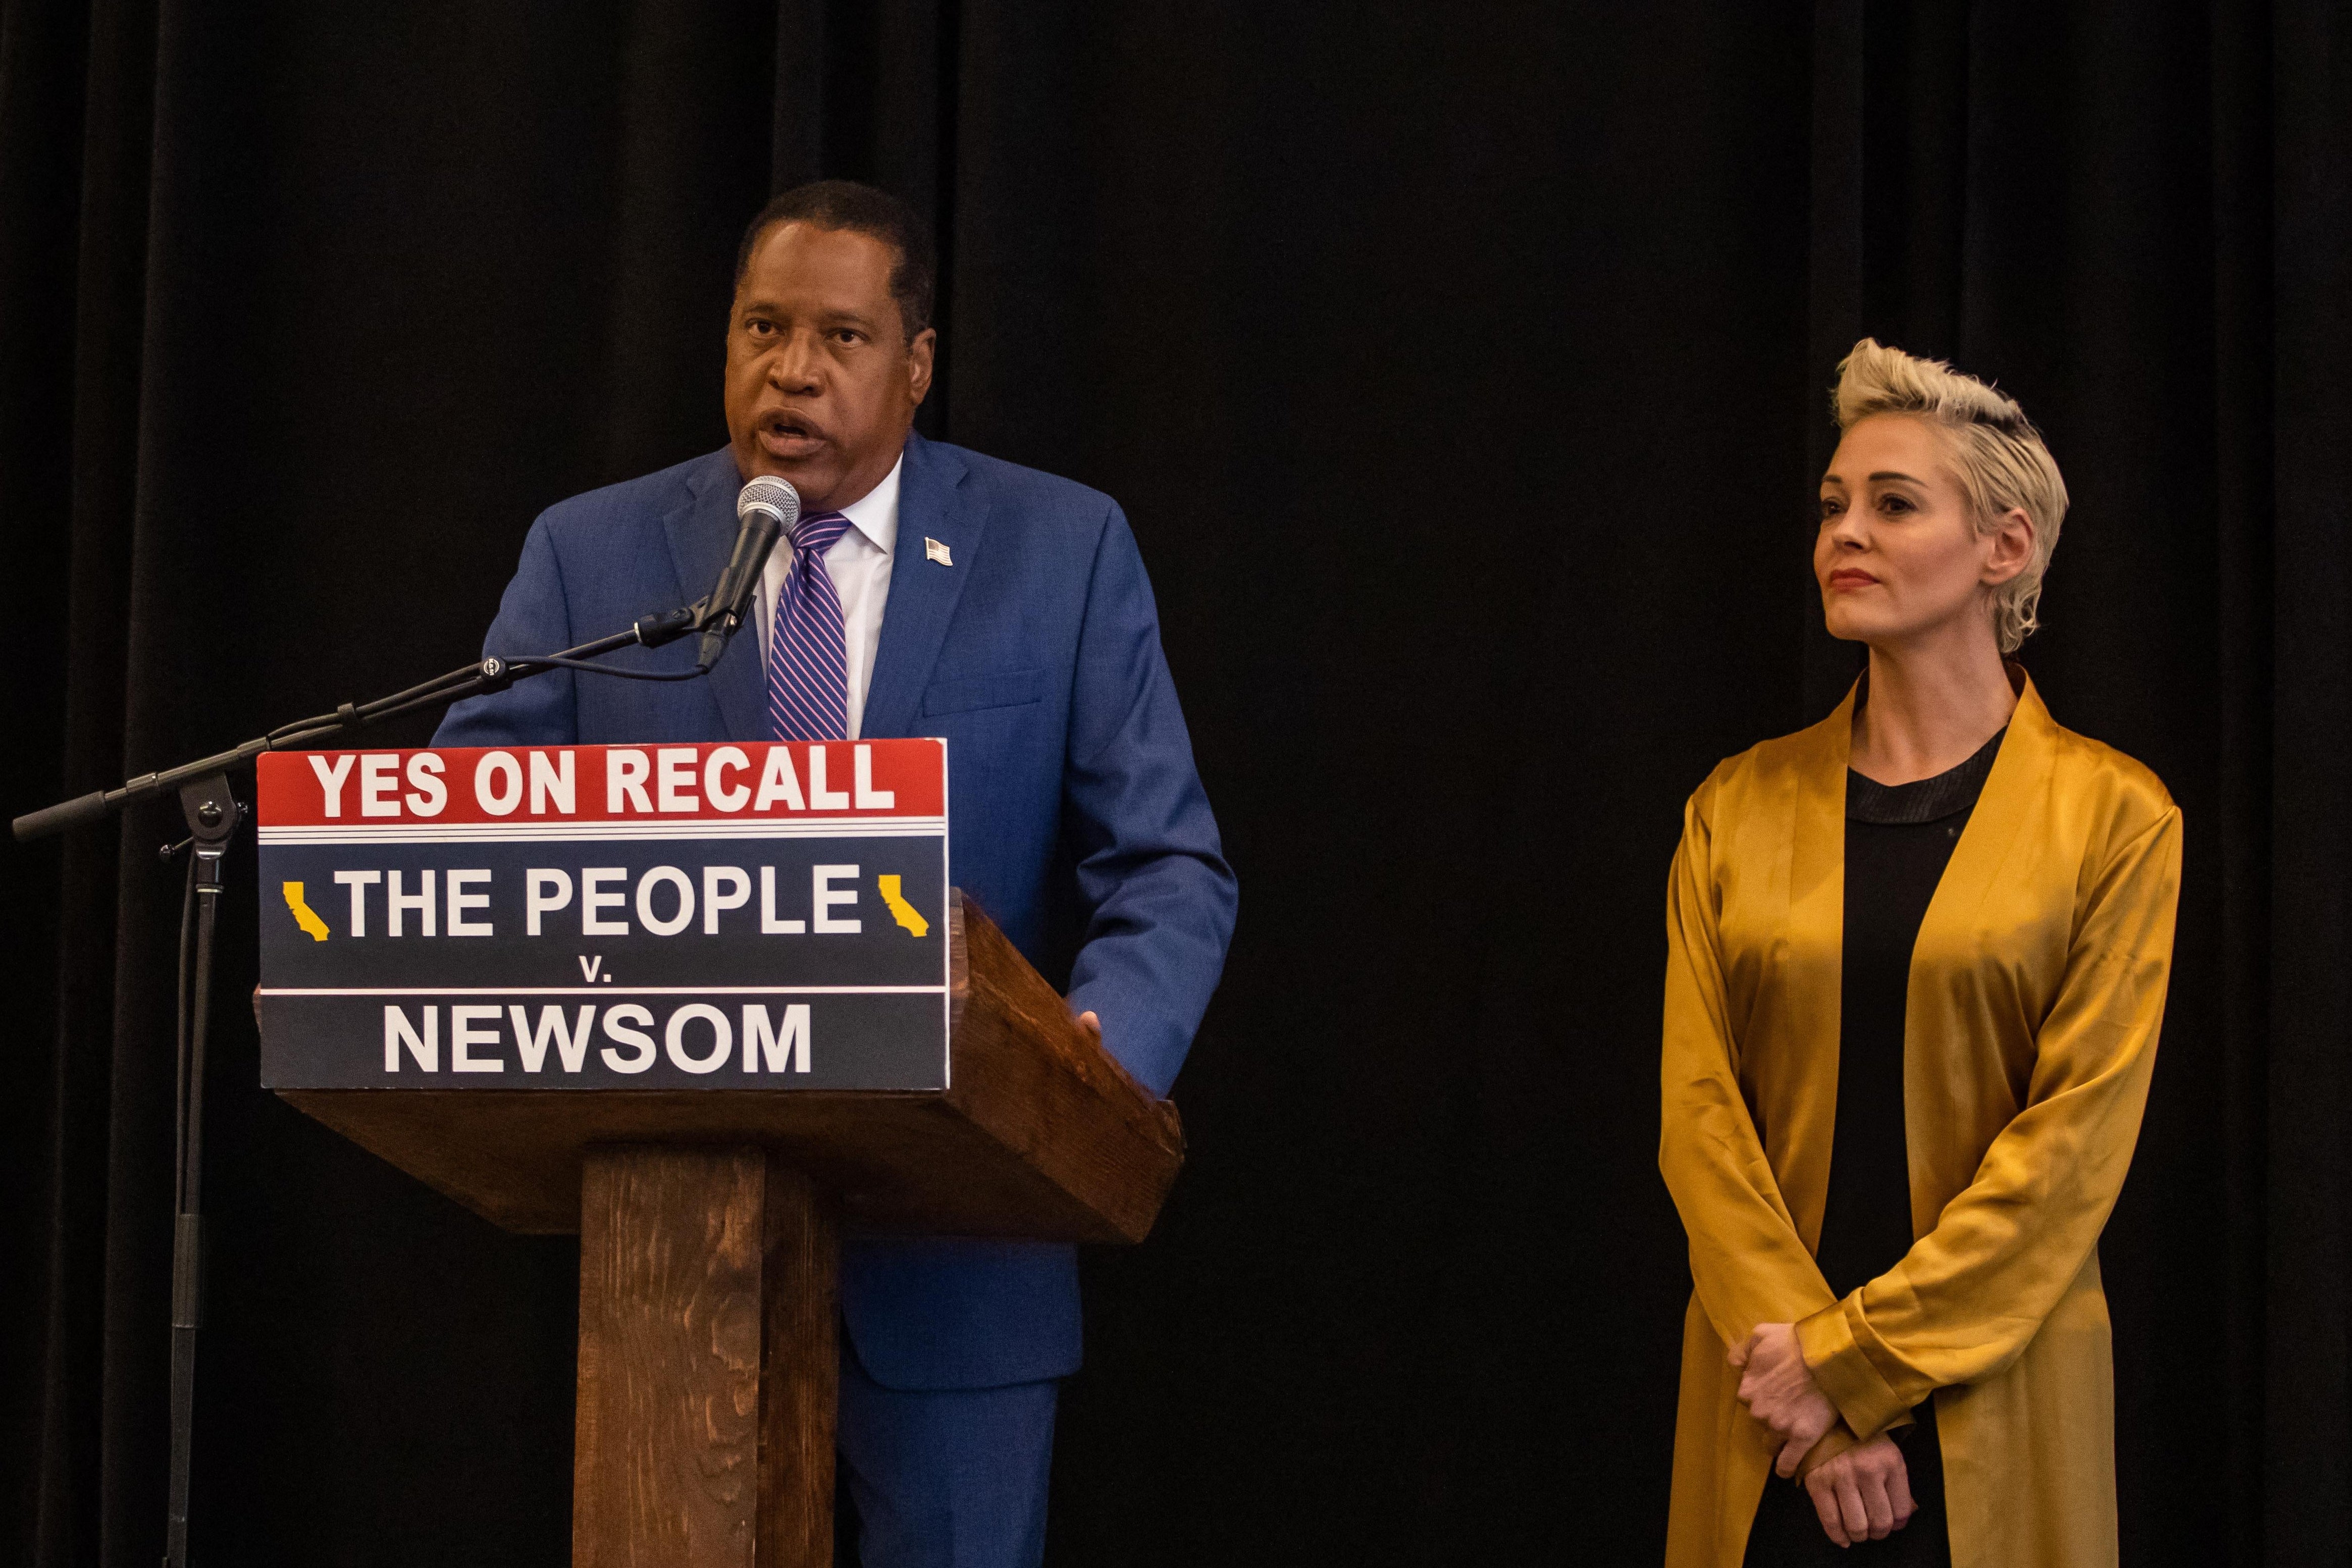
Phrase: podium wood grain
(708, 1362)
(799, 1375)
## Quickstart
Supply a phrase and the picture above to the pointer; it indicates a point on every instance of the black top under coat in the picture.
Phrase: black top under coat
(1898, 840)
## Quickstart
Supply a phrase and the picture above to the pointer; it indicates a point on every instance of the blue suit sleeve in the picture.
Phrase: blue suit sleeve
(1150, 865)
(533, 619)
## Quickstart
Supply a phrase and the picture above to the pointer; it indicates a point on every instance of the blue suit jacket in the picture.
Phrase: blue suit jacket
(1077, 817)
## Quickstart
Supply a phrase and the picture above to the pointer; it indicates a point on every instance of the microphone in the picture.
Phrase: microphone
(768, 508)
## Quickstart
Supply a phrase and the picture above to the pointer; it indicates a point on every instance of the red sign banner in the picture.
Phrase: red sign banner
(792, 780)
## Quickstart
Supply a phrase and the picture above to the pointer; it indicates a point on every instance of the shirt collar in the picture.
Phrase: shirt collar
(876, 514)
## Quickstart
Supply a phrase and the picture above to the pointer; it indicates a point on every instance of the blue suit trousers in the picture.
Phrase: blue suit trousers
(946, 1477)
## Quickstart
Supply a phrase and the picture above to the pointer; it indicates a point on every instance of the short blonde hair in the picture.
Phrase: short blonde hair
(1998, 456)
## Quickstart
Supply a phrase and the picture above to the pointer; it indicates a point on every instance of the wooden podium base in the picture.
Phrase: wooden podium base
(709, 1361)
(709, 1240)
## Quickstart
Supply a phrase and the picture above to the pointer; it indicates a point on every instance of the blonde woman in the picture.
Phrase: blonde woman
(1917, 963)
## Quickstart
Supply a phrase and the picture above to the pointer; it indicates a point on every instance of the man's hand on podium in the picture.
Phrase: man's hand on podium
(1091, 1025)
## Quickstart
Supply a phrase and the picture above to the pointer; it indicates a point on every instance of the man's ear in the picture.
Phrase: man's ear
(919, 364)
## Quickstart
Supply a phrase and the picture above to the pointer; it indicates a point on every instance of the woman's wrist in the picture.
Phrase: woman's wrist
(1834, 1355)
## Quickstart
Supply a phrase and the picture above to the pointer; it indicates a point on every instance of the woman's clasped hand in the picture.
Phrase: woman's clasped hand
(1862, 1494)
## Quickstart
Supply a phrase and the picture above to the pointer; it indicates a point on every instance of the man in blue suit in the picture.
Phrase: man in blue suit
(927, 591)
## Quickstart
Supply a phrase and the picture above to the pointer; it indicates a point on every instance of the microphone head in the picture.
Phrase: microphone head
(771, 495)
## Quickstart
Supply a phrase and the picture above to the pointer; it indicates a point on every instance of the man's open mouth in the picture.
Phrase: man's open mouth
(788, 434)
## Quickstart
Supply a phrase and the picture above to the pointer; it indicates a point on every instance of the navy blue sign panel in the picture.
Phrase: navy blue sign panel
(606, 917)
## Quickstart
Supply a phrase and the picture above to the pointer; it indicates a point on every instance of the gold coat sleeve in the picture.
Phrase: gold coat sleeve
(1748, 1264)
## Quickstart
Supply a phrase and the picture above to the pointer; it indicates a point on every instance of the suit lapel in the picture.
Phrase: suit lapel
(935, 502)
(702, 529)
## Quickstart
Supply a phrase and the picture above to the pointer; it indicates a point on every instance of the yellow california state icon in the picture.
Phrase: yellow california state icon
(304, 915)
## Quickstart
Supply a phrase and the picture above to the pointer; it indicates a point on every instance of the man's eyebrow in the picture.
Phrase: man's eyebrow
(831, 314)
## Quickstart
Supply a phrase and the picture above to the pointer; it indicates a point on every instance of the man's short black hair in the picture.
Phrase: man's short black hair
(845, 205)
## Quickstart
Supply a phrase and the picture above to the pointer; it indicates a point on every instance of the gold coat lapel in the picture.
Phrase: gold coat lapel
(1961, 1009)
(1814, 969)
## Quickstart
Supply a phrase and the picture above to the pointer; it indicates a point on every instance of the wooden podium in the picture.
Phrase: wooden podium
(709, 1226)
(710, 1223)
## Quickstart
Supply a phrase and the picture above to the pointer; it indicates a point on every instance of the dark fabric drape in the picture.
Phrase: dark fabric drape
(1464, 373)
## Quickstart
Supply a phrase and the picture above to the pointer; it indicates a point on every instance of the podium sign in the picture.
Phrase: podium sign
(672, 918)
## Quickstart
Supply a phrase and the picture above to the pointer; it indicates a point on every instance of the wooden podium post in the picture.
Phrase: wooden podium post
(709, 1226)
(707, 1359)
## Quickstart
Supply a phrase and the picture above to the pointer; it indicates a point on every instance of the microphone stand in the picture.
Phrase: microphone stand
(213, 815)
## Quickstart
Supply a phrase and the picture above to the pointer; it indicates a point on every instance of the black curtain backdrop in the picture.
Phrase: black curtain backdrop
(1463, 370)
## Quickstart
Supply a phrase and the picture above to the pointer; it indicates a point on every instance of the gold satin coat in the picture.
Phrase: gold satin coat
(2036, 991)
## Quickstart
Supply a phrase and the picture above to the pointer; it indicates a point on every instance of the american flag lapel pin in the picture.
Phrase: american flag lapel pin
(934, 551)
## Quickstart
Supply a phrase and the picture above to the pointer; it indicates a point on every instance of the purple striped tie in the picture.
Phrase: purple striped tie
(808, 650)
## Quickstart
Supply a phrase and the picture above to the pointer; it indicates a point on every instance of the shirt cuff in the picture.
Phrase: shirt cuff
(1830, 1343)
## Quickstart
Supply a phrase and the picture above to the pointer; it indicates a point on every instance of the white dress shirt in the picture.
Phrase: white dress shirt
(859, 565)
